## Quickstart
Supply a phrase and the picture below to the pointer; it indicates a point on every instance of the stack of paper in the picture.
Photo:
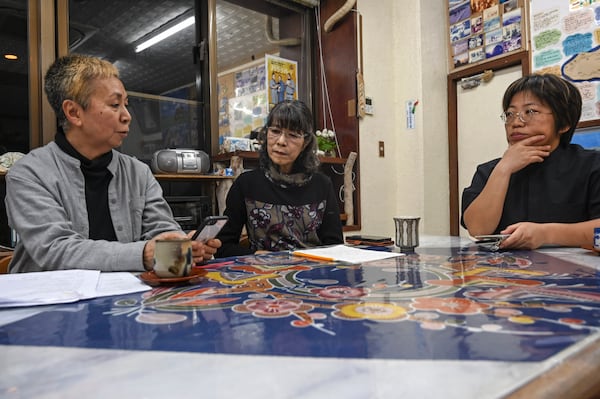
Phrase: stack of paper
(63, 286)
(344, 253)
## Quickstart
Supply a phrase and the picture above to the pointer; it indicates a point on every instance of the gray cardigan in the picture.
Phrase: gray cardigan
(45, 203)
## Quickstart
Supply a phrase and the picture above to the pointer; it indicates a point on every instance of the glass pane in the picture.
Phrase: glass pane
(256, 69)
(160, 79)
(14, 74)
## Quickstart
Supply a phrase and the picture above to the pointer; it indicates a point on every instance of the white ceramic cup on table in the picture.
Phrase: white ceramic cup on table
(173, 258)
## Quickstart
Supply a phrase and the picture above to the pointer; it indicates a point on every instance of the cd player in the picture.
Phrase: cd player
(180, 160)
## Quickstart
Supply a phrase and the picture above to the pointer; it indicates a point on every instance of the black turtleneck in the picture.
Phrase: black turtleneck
(97, 177)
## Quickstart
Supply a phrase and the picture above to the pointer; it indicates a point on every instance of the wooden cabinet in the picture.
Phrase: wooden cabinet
(193, 186)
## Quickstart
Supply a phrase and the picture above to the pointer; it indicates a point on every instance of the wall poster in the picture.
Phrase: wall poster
(242, 100)
(565, 40)
(483, 29)
(283, 79)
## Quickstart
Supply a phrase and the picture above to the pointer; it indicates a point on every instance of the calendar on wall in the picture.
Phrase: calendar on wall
(480, 30)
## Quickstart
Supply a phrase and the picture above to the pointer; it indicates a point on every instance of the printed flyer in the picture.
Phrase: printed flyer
(283, 79)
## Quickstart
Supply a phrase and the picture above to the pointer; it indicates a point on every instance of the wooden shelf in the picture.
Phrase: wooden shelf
(190, 176)
(226, 156)
(254, 155)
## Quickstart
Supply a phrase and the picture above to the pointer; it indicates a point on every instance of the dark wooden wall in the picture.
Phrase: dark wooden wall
(341, 64)
(340, 59)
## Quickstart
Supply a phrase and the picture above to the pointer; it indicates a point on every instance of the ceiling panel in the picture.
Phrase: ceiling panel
(112, 28)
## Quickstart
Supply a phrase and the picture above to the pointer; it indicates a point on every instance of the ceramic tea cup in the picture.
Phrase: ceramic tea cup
(173, 258)
(407, 232)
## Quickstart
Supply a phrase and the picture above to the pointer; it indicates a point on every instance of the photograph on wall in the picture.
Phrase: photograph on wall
(491, 19)
(509, 5)
(511, 37)
(493, 37)
(511, 17)
(476, 55)
(461, 59)
(283, 79)
(480, 5)
(475, 41)
(459, 47)
(476, 24)
(460, 30)
(565, 39)
(249, 80)
(494, 50)
(459, 11)
(492, 29)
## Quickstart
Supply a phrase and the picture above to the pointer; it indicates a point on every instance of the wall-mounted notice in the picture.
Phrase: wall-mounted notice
(484, 29)
(565, 40)
(283, 79)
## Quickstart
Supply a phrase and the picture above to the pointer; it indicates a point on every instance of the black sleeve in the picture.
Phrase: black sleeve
(235, 209)
(480, 178)
(330, 231)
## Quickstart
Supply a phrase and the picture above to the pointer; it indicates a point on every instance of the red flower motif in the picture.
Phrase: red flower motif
(460, 306)
(272, 307)
(340, 292)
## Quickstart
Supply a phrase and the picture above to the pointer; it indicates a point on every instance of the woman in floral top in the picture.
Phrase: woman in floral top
(286, 203)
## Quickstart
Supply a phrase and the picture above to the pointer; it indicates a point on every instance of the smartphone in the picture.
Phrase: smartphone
(368, 238)
(376, 241)
(492, 237)
(491, 241)
(209, 228)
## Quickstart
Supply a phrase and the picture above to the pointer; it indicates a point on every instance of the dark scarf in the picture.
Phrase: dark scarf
(97, 177)
(282, 180)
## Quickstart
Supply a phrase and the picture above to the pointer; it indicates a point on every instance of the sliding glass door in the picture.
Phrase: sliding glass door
(153, 44)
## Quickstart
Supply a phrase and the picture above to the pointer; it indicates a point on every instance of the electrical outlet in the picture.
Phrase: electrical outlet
(381, 149)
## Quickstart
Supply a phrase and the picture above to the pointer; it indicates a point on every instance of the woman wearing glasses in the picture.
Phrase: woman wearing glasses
(544, 190)
(286, 203)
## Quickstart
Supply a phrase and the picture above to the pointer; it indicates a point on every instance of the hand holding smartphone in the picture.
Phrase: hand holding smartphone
(491, 237)
(209, 228)
(491, 241)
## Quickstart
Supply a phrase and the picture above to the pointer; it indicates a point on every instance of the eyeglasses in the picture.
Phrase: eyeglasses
(275, 133)
(524, 116)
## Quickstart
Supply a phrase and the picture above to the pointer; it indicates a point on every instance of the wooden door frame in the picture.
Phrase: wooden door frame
(521, 58)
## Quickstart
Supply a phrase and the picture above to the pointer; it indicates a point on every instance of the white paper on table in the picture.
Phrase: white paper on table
(64, 286)
(40, 288)
(119, 283)
(345, 253)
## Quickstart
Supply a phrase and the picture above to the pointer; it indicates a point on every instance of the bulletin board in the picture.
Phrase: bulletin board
(242, 100)
(565, 40)
(480, 30)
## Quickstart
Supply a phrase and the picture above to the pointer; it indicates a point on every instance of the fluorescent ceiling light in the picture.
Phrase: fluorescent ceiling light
(163, 35)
